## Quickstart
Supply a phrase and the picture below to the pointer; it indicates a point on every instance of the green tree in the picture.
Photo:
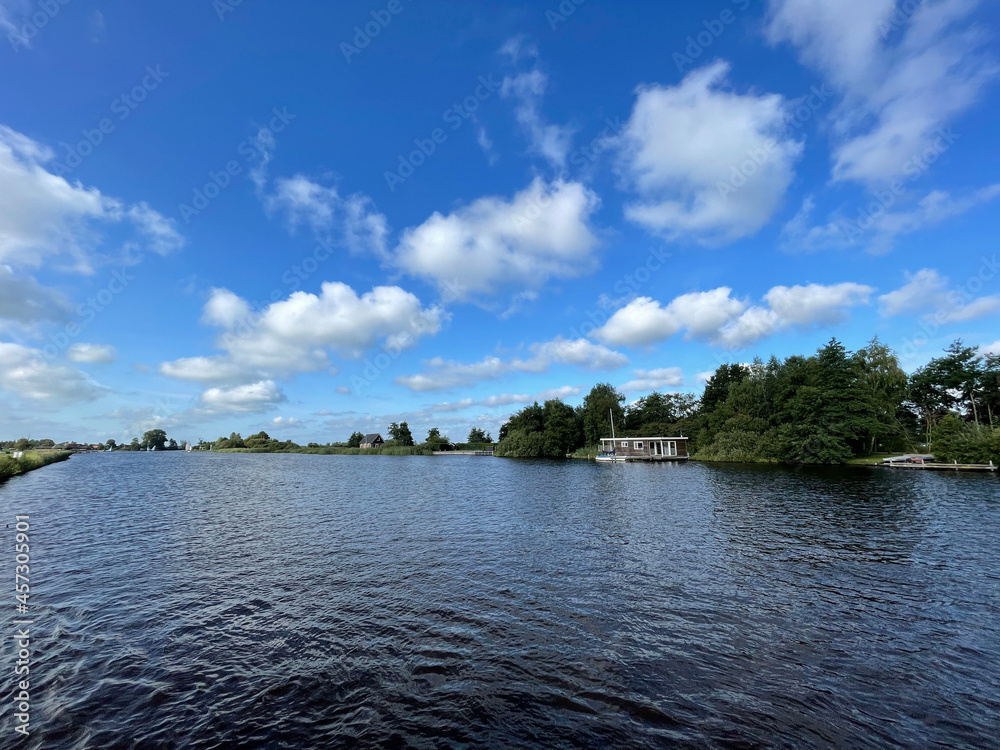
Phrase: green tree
(355, 440)
(111, 443)
(717, 387)
(258, 441)
(563, 431)
(155, 439)
(476, 435)
(403, 436)
(602, 401)
(134, 445)
(886, 386)
(530, 419)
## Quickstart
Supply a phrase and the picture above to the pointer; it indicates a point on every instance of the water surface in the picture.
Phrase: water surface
(212, 601)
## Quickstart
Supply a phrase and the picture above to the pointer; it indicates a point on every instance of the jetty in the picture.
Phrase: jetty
(928, 462)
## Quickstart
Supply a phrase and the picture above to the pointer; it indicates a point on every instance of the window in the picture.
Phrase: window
(671, 448)
(638, 446)
(624, 444)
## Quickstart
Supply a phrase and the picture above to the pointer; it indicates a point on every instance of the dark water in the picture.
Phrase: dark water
(214, 601)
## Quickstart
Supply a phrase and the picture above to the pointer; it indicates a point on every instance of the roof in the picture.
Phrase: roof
(371, 437)
(647, 439)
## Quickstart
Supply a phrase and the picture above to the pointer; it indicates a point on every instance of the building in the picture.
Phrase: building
(372, 440)
(645, 449)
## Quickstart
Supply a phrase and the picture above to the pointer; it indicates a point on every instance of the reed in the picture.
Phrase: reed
(12, 467)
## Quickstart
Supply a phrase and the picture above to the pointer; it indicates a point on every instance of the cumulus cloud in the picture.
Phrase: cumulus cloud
(254, 397)
(445, 374)
(543, 232)
(26, 372)
(43, 217)
(92, 353)
(352, 222)
(296, 334)
(722, 320)
(646, 381)
(899, 89)
(926, 291)
(681, 146)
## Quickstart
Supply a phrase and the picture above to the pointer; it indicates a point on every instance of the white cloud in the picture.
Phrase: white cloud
(294, 335)
(875, 226)
(654, 380)
(682, 145)
(704, 377)
(26, 302)
(286, 421)
(26, 372)
(926, 290)
(352, 222)
(343, 390)
(225, 309)
(580, 353)
(445, 374)
(993, 348)
(722, 320)
(814, 304)
(922, 290)
(92, 353)
(43, 216)
(551, 142)
(255, 397)
(543, 232)
(507, 399)
(897, 96)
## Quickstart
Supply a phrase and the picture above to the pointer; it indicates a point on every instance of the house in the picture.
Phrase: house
(372, 440)
(645, 449)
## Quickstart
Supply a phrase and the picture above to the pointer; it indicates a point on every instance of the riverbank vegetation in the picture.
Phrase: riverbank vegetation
(12, 467)
(830, 408)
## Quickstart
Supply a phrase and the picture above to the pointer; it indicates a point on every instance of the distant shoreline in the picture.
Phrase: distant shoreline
(13, 467)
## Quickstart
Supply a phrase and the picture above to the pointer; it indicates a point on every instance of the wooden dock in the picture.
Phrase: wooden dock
(940, 466)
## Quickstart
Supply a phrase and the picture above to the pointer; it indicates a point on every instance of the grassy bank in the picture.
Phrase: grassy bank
(11, 467)
(587, 454)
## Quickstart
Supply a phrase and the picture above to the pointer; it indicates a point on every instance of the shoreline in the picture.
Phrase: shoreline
(11, 467)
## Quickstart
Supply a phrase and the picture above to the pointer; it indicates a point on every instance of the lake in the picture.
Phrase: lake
(211, 601)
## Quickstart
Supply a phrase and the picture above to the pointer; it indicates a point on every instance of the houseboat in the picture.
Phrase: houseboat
(644, 449)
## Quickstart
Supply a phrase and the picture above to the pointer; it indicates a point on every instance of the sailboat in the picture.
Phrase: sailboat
(610, 456)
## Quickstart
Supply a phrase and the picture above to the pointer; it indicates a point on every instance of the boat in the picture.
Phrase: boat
(611, 456)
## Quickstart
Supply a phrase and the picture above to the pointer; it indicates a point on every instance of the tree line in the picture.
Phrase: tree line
(827, 408)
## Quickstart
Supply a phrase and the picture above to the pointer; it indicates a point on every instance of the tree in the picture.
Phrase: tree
(886, 384)
(402, 434)
(155, 439)
(355, 440)
(435, 439)
(111, 443)
(530, 419)
(258, 441)
(134, 445)
(717, 387)
(563, 432)
(598, 405)
(476, 435)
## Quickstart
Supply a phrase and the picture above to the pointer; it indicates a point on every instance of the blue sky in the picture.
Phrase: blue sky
(311, 219)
